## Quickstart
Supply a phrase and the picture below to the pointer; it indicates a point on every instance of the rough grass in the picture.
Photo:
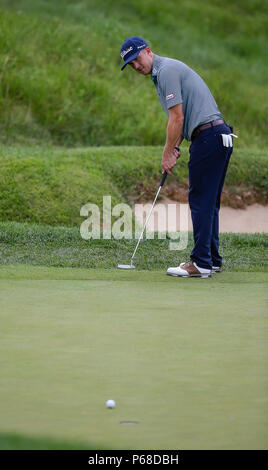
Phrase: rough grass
(60, 77)
(50, 185)
(16, 441)
(63, 247)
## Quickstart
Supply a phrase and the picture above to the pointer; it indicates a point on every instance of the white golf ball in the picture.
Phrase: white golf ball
(110, 403)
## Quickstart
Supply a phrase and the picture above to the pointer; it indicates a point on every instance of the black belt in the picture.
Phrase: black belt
(206, 126)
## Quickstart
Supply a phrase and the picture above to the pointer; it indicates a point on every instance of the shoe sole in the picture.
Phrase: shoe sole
(203, 276)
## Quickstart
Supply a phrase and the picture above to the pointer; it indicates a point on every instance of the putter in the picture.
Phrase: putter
(131, 265)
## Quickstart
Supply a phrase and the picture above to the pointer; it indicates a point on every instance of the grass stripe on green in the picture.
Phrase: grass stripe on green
(63, 247)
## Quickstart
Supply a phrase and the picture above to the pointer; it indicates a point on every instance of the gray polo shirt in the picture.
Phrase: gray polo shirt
(177, 83)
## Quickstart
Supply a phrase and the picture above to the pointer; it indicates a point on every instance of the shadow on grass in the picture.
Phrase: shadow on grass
(11, 441)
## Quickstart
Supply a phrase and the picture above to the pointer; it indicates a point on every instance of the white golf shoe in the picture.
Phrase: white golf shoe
(189, 269)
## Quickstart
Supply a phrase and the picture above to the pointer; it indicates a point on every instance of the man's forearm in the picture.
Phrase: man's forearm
(173, 138)
(179, 141)
(174, 135)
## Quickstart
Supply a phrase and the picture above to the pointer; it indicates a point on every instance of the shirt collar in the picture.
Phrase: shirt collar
(155, 67)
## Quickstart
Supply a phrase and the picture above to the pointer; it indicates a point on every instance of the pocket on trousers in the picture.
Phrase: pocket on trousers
(200, 152)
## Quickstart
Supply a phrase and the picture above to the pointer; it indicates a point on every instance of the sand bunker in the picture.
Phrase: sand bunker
(169, 216)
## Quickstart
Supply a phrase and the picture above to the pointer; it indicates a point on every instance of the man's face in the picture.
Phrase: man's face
(143, 62)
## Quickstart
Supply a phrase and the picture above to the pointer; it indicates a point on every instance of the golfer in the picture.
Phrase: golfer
(193, 115)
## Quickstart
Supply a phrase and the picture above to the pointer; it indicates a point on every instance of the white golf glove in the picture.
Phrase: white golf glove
(227, 140)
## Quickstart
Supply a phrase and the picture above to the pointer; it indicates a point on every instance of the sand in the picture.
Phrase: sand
(172, 216)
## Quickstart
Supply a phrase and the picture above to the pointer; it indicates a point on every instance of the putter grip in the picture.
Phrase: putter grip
(163, 178)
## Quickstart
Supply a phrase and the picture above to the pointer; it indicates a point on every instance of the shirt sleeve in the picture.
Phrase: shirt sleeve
(170, 85)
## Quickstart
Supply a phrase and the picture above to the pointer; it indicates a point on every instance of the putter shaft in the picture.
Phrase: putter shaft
(149, 215)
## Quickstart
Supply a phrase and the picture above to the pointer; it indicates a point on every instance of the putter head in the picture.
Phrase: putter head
(126, 266)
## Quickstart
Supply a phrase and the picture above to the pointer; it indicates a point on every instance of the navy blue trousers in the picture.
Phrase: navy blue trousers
(208, 165)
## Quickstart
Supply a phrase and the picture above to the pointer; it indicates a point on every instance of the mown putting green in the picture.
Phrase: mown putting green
(185, 358)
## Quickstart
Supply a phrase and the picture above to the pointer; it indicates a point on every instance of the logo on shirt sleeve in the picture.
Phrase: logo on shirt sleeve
(170, 96)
